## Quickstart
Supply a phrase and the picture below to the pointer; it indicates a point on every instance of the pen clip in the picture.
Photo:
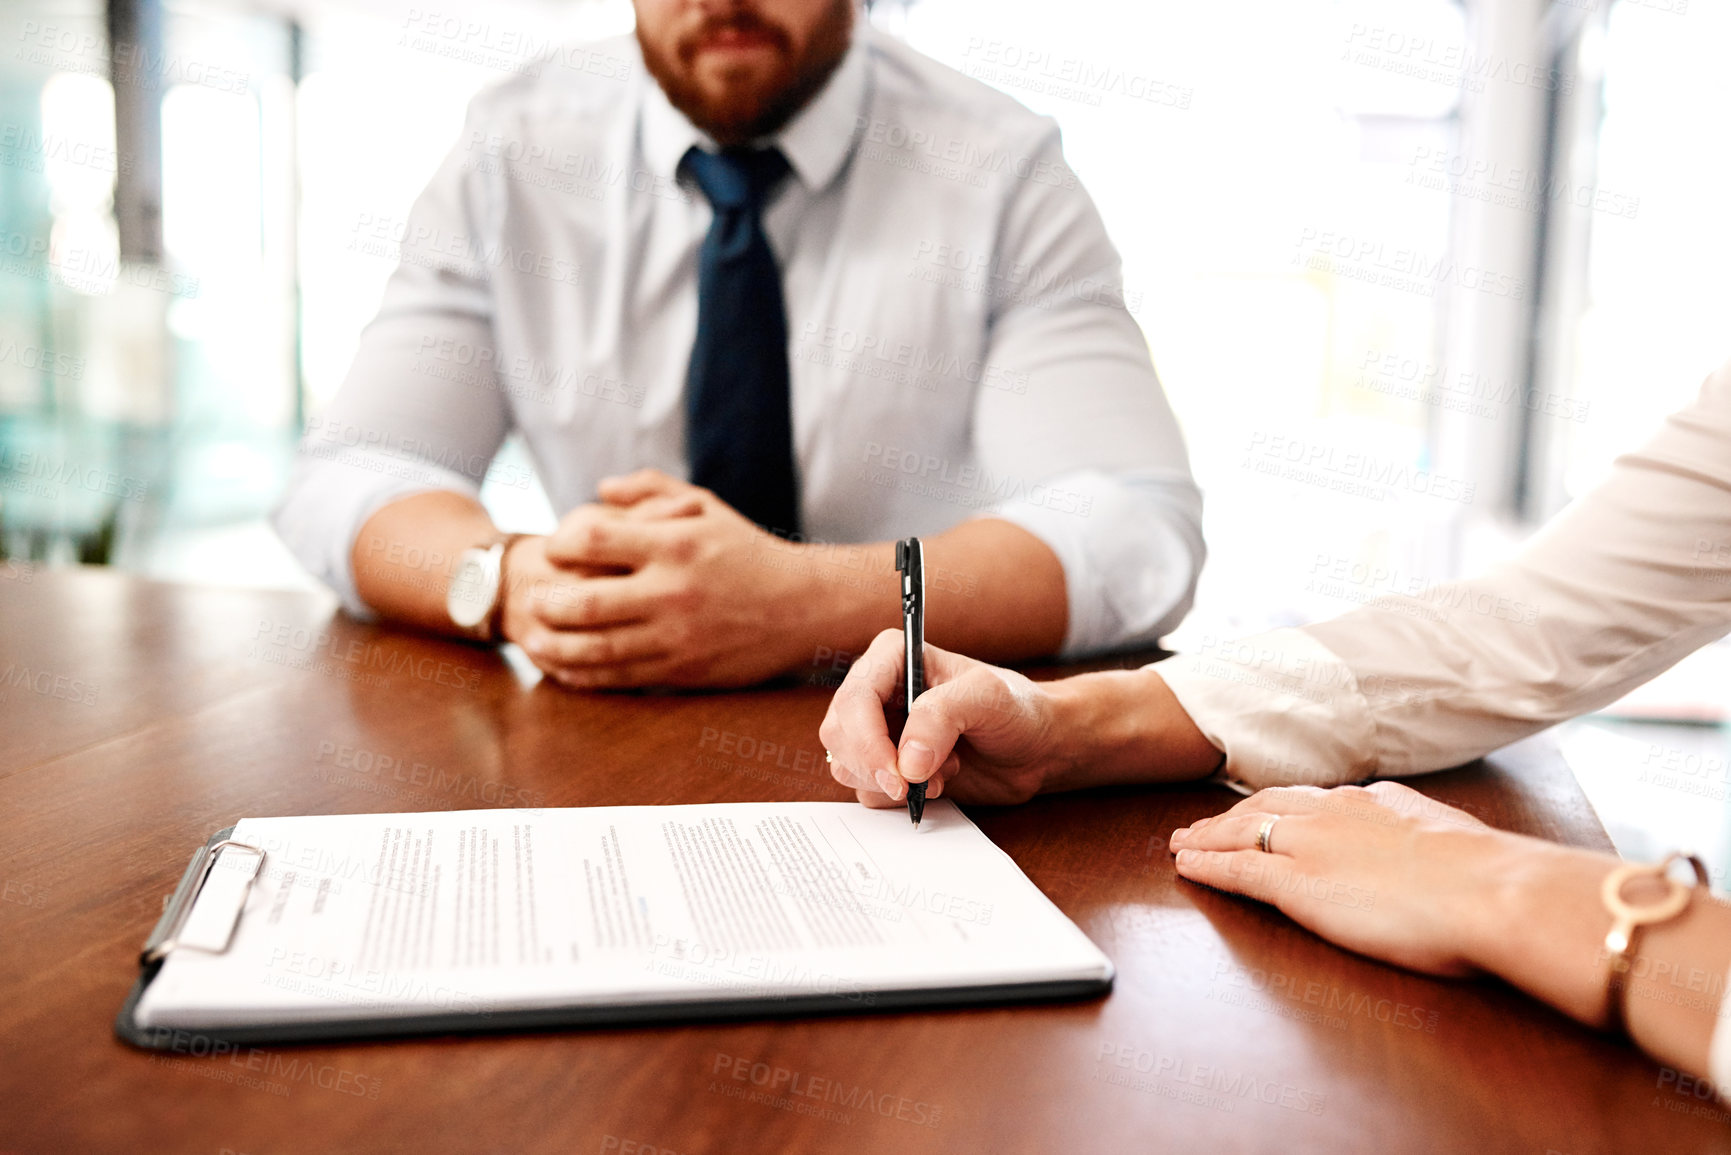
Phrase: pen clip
(909, 556)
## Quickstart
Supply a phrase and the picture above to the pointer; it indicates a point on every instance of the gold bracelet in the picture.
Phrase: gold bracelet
(1629, 920)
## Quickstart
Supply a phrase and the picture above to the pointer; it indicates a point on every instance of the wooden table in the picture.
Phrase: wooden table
(140, 717)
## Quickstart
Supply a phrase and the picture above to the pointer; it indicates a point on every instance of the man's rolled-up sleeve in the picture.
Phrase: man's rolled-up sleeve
(421, 407)
(1074, 425)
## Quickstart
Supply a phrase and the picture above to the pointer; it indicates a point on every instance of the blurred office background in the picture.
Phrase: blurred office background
(1412, 271)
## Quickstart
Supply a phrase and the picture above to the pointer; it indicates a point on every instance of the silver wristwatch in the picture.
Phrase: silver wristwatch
(472, 598)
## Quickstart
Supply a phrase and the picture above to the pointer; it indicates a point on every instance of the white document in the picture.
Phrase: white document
(371, 916)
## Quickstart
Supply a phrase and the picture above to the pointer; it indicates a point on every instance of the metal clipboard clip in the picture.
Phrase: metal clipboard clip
(166, 936)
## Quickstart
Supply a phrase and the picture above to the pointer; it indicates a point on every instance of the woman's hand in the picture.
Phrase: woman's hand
(1381, 870)
(978, 732)
(991, 736)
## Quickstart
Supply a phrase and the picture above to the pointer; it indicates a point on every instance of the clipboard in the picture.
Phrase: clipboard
(203, 1041)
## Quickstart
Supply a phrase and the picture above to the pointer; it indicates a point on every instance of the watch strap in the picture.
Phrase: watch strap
(494, 624)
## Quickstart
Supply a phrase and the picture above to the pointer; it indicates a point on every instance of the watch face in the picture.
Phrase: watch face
(470, 597)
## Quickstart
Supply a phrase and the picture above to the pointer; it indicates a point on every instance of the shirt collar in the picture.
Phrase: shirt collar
(667, 135)
(821, 135)
(816, 141)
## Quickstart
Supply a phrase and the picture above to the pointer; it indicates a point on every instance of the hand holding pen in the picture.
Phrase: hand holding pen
(977, 734)
(988, 730)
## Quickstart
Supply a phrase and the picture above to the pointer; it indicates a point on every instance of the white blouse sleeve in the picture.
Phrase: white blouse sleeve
(1628, 580)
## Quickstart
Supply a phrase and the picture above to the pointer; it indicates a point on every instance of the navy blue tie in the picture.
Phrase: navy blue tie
(738, 428)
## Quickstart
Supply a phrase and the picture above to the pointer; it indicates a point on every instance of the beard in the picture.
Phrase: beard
(741, 101)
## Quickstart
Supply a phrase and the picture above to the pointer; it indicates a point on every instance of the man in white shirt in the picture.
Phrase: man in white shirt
(611, 262)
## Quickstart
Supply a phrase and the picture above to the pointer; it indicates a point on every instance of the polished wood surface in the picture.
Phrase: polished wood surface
(168, 712)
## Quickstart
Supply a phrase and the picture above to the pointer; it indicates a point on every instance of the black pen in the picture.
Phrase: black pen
(910, 560)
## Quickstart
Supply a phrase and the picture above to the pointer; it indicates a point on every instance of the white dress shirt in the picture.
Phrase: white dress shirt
(1628, 580)
(959, 340)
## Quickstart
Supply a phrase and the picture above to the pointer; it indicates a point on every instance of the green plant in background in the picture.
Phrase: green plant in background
(37, 542)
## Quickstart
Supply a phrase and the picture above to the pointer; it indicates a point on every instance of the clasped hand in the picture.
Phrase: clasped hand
(660, 583)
